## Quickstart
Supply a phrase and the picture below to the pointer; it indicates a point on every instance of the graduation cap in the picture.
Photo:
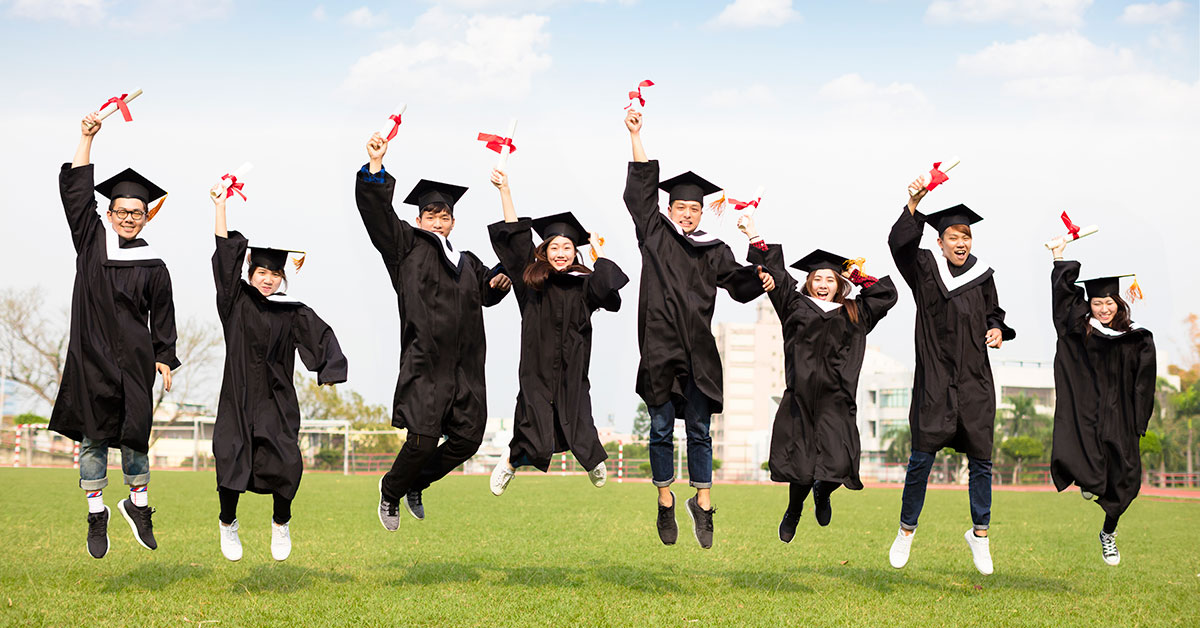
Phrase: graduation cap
(688, 186)
(130, 184)
(426, 192)
(819, 259)
(564, 224)
(275, 259)
(1101, 287)
(957, 215)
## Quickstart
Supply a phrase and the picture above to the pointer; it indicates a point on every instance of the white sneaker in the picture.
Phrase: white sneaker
(501, 475)
(900, 548)
(231, 545)
(599, 475)
(281, 541)
(981, 552)
(1108, 548)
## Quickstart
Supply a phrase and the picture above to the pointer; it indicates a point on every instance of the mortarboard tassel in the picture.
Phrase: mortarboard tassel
(1134, 293)
(718, 205)
(593, 251)
(157, 206)
(299, 261)
(859, 262)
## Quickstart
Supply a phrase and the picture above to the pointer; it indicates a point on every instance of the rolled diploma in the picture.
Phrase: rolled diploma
(1085, 231)
(512, 130)
(237, 174)
(758, 194)
(953, 162)
(398, 112)
(110, 110)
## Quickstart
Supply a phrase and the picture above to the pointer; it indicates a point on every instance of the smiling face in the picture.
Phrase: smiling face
(266, 281)
(1104, 309)
(560, 252)
(822, 284)
(956, 244)
(437, 220)
(686, 214)
(134, 211)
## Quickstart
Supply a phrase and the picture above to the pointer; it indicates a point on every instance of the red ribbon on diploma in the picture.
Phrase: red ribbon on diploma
(395, 127)
(737, 205)
(1072, 228)
(936, 176)
(637, 94)
(119, 101)
(234, 186)
(494, 142)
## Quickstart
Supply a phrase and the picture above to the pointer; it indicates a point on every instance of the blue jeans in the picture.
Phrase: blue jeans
(93, 465)
(696, 419)
(979, 490)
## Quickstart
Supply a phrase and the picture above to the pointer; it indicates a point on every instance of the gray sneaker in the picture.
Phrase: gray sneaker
(702, 522)
(389, 511)
(412, 503)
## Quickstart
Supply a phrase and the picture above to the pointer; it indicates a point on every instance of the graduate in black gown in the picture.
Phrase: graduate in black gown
(441, 292)
(679, 375)
(256, 436)
(557, 295)
(814, 440)
(953, 400)
(122, 334)
(1104, 376)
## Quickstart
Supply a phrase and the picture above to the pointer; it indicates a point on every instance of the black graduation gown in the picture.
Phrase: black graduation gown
(953, 398)
(122, 322)
(1104, 383)
(556, 351)
(680, 277)
(815, 435)
(255, 440)
(440, 389)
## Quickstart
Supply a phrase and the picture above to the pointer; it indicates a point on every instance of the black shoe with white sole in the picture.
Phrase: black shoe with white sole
(702, 522)
(139, 521)
(97, 538)
(412, 503)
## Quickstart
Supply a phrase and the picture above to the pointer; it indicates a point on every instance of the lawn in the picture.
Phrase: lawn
(555, 551)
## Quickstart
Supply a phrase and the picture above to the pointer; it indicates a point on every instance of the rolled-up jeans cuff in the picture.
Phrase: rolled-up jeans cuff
(905, 526)
(93, 485)
(664, 484)
(700, 484)
(140, 479)
(979, 526)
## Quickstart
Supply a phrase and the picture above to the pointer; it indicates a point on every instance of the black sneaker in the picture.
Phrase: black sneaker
(787, 527)
(702, 521)
(668, 531)
(412, 503)
(389, 511)
(139, 521)
(97, 539)
(824, 510)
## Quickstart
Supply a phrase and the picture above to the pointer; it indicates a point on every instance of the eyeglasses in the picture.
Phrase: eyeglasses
(122, 214)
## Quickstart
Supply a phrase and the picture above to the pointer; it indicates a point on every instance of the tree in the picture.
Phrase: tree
(899, 439)
(1021, 448)
(200, 347)
(1150, 447)
(327, 402)
(641, 422)
(33, 341)
(30, 418)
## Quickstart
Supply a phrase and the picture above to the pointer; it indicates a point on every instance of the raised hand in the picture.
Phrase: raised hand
(633, 121)
(1059, 249)
(376, 149)
(90, 125)
(916, 192)
(499, 179)
(597, 244)
(217, 194)
(745, 223)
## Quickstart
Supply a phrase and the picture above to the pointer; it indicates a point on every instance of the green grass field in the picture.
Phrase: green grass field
(555, 551)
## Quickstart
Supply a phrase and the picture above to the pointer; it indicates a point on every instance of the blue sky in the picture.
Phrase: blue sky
(1087, 106)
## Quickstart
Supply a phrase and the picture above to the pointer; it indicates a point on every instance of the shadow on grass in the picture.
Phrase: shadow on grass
(153, 576)
(284, 578)
(438, 573)
(888, 579)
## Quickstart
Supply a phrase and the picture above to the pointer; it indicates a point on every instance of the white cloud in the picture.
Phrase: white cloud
(1048, 55)
(318, 13)
(754, 95)
(76, 11)
(852, 88)
(1153, 13)
(755, 13)
(1020, 12)
(362, 18)
(457, 57)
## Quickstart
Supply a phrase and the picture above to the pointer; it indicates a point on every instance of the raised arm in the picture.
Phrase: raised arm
(1067, 301)
(227, 270)
(76, 186)
(319, 348)
(875, 299)
(373, 191)
(743, 283)
(633, 122)
(513, 244)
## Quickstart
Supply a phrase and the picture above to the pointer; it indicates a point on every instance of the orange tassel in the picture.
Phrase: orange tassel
(299, 261)
(860, 261)
(1134, 293)
(157, 207)
(592, 250)
(718, 205)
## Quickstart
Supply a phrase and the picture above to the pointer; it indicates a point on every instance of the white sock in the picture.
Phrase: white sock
(95, 500)
(139, 496)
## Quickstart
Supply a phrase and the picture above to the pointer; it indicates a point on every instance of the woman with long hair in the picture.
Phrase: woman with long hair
(1104, 378)
(814, 441)
(557, 295)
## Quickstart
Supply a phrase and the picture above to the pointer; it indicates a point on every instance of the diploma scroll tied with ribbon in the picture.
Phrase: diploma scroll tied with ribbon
(232, 182)
(636, 95)
(395, 120)
(937, 175)
(501, 144)
(121, 103)
(1074, 232)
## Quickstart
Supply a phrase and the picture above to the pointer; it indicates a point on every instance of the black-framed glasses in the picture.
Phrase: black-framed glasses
(122, 214)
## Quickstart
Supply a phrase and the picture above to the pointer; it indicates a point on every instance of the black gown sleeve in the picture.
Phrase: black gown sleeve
(319, 348)
(875, 301)
(784, 296)
(513, 244)
(1145, 381)
(741, 282)
(905, 243)
(392, 237)
(995, 314)
(603, 286)
(641, 197)
(77, 188)
(227, 271)
(162, 317)
(1066, 297)
(491, 296)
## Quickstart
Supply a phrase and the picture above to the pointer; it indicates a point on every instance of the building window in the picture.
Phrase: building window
(1042, 396)
(895, 397)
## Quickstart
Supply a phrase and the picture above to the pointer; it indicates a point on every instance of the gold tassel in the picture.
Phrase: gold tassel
(299, 261)
(157, 207)
(718, 205)
(1134, 293)
(859, 261)
(592, 250)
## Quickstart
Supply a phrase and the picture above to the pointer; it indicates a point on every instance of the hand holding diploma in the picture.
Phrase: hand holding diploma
(1074, 232)
(501, 144)
(597, 243)
(636, 95)
(376, 149)
(232, 182)
(395, 119)
(122, 105)
(937, 176)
